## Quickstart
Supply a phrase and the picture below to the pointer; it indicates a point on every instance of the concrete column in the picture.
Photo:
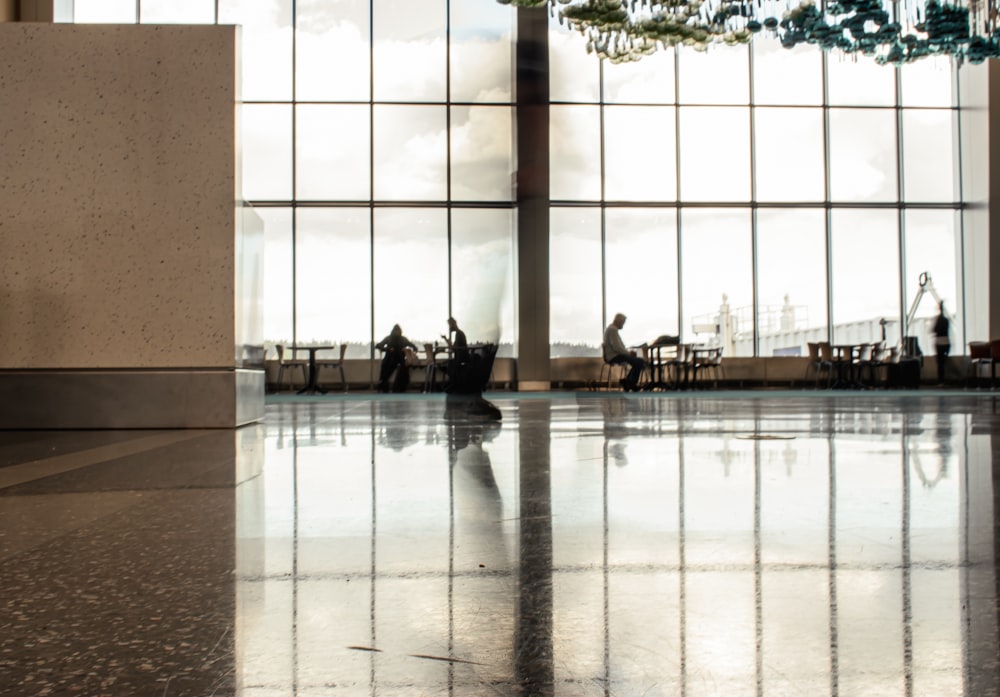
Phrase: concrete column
(532, 129)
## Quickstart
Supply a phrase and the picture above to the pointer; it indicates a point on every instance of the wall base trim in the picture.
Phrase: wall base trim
(113, 399)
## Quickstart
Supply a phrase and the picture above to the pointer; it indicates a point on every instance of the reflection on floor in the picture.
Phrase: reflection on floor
(588, 544)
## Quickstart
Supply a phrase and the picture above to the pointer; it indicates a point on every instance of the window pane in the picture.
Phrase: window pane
(104, 11)
(409, 51)
(715, 153)
(928, 157)
(573, 73)
(482, 271)
(266, 41)
(716, 286)
(325, 239)
(719, 75)
(177, 11)
(332, 152)
(278, 281)
(927, 82)
(332, 33)
(791, 279)
(863, 154)
(865, 265)
(481, 51)
(574, 140)
(860, 82)
(788, 154)
(411, 272)
(787, 76)
(933, 246)
(646, 81)
(629, 176)
(481, 153)
(575, 282)
(641, 270)
(267, 151)
(410, 153)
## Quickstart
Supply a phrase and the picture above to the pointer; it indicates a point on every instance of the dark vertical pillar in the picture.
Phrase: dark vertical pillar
(532, 137)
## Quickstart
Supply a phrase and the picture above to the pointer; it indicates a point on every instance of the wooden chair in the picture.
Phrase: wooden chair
(708, 364)
(817, 364)
(290, 364)
(338, 364)
(609, 371)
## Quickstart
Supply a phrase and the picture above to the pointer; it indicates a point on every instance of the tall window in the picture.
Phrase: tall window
(750, 196)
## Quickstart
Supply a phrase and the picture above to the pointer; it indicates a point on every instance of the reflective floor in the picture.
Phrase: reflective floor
(588, 544)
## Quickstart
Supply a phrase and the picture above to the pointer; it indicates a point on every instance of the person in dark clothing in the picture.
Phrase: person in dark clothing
(459, 344)
(942, 342)
(394, 358)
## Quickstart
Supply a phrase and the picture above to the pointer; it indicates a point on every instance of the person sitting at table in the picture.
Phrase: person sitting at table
(394, 358)
(616, 352)
(459, 344)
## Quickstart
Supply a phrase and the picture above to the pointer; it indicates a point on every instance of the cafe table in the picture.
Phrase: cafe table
(311, 386)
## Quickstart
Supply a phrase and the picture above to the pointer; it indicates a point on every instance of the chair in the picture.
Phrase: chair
(980, 355)
(708, 362)
(608, 371)
(818, 364)
(288, 363)
(431, 367)
(339, 364)
(872, 361)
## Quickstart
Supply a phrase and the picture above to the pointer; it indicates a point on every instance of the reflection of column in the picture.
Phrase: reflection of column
(533, 636)
(832, 556)
(980, 591)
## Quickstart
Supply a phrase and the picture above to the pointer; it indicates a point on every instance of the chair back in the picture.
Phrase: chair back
(865, 352)
(280, 349)
(825, 351)
(878, 352)
(343, 352)
(978, 350)
(995, 349)
(813, 348)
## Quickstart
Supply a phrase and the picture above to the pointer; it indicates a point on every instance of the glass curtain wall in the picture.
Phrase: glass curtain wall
(377, 146)
(754, 197)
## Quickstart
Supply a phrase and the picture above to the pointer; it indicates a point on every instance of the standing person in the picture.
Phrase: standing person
(394, 346)
(942, 342)
(616, 352)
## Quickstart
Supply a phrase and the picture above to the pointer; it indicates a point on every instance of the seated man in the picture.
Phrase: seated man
(616, 352)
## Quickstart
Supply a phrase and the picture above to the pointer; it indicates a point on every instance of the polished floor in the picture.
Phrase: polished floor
(764, 544)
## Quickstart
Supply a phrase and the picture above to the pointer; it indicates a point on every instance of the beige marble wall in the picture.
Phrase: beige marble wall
(118, 196)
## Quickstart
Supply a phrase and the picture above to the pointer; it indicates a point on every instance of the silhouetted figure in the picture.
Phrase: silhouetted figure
(394, 358)
(469, 372)
(616, 352)
(942, 342)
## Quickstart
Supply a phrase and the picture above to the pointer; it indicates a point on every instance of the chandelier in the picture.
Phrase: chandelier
(892, 32)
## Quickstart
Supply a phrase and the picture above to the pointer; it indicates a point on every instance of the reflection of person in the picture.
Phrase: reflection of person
(942, 343)
(616, 352)
(394, 346)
